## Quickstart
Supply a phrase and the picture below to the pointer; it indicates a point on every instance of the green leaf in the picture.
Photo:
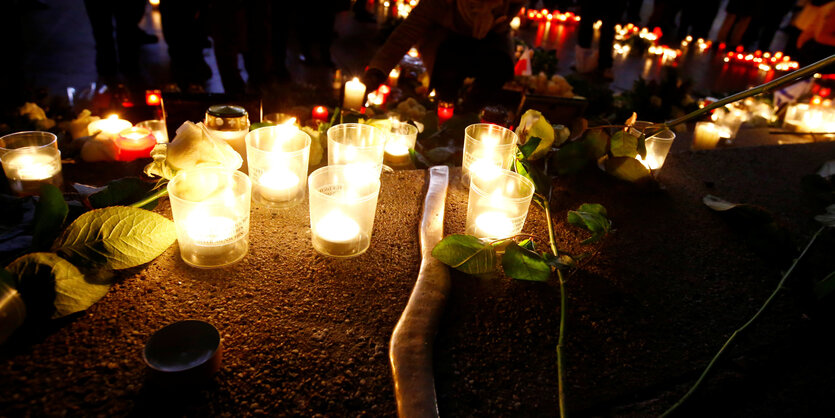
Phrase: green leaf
(562, 262)
(527, 244)
(540, 180)
(530, 146)
(624, 144)
(116, 237)
(596, 142)
(418, 159)
(50, 213)
(628, 169)
(123, 191)
(466, 253)
(592, 217)
(642, 146)
(52, 286)
(824, 287)
(570, 158)
(523, 264)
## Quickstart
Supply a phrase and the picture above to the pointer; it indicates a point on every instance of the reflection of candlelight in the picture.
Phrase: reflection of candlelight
(336, 233)
(354, 93)
(493, 225)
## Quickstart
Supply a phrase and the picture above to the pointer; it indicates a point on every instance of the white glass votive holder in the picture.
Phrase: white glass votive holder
(657, 144)
(278, 158)
(402, 138)
(357, 144)
(497, 207)
(29, 159)
(229, 123)
(211, 213)
(158, 129)
(488, 148)
(341, 211)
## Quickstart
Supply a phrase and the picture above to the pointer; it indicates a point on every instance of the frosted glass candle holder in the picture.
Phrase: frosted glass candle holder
(488, 149)
(341, 211)
(211, 213)
(497, 207)
(358, 145)
(157, 128)
(231, 124)
(278, 158)
(402, 138)
(30, 159)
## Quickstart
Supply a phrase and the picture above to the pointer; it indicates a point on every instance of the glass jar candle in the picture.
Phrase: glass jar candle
(358, 145)
(158, 129)
(278, 158)
(402, 138)
(488, 149)
(497, 206)
(30, 159)
(341, 211)
(211, 213)
(229, 123)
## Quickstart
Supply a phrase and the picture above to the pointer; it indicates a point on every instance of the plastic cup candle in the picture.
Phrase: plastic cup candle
(108, 128)
(134, 143)
(487, 149)
(320, 113)
(211, 212)
(497, 207)
(341, 211)
(158, 129)
(657, 144)
(357, 144)
(231, 124)
(278, 158)
(354, 94)
(794, 116)
(706, 135)
(402, 137)
(30, 159)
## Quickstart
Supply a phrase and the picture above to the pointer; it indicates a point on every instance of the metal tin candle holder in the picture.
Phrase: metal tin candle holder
(357, 145)
(342, 211)
(488, 148)
(211, 213)
(231, 124)
(278, 158)
(497, 206)
(30, 159)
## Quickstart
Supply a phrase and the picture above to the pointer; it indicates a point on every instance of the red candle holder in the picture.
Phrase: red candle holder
(445, 112)
(320, 113)
(133, 143)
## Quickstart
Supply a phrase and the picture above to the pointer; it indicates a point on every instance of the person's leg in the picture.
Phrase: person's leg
(183, 30)
(449, 72)
(739, 30)
(127, 41)
(727, 24)
(101, 20)
(226, 21)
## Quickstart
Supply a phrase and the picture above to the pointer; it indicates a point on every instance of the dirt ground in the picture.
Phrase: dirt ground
(308, 335)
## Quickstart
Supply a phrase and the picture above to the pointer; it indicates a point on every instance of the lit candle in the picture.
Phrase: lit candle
(27, 169)
(651, 163)
(394, 76)
(486, 168)
(336, 233)
(515, 23)
(397, 153)
(494, 225)
(157, 128)
(706, 135)
(134, 143)
(320, 113)
(109, 127)
(445, 112)
(354, 94)
(278, 184)
(229, 123)
(402, 137)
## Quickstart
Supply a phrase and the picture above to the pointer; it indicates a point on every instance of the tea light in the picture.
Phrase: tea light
(402, 137)
(320, 113)
(357, 144)
(354, 94)
(497, 208)
(706, 135)
(30, 159)
(341, 211)
(231, 124)
(134, 143)
(109, 127)
(211, 212)
(488, 148)
(278, 159)
(158, 129)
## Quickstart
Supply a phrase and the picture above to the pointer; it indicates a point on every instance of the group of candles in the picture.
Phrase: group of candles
(213, 221)
(764, 61)
(725, 122)
(32, 158)
(816, 116)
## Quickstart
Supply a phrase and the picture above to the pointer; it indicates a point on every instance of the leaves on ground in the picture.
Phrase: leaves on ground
(523, 264)
(50, 213)
(624, 144)
(116, 237)
(53, 287)
(628, 169)
(592, 217)
(466, 253)
(123, 191)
